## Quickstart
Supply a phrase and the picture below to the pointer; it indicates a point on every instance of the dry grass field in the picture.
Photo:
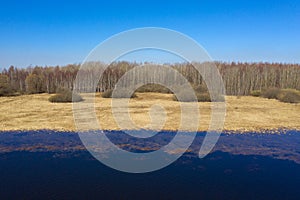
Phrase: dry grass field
(30, 112)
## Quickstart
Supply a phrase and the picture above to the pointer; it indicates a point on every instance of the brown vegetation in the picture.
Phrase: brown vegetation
(245, 113)
(109, 94)
(283, 95)
(65, 96)
(154, 88)
(289, 96)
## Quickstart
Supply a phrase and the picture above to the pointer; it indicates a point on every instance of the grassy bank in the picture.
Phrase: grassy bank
(243, 114)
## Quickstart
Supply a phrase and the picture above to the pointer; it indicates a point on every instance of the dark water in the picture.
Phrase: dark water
(55, 165)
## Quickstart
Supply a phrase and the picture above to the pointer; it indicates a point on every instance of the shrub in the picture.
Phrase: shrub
(283, 95)
(201, 97)
(6, 91)
(200, 88)
(289, 96)
(162, 89)
(154, 88)
(65, 96)
(256, 93)
(271, 93)
(107, 94)
(185, 97)
(120, 94)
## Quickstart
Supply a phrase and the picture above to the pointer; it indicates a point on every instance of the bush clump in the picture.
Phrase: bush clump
(107, 94)
(162, 89)
(256, 93)
(8, 92)
(271, 93)
(200, 97)
(154, 88)
(200, 88)
(283, 95)
(203, 97)
(120, 94)
(289, 96)
(65, 96)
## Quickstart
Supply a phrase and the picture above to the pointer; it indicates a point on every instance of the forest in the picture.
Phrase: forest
(239, 78)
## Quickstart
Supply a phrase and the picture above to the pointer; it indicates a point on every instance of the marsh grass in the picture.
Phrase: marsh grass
(30, 112)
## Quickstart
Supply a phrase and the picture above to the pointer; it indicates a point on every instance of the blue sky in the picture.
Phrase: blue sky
(62, 32)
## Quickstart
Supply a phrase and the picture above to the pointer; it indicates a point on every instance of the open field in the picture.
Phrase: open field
(243, 114)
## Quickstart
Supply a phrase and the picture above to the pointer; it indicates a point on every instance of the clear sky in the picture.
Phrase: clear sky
(61, 32)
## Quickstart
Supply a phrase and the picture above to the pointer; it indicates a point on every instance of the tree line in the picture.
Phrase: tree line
(239, 78)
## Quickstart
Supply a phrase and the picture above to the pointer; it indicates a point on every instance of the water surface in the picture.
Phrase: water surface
(55, 165)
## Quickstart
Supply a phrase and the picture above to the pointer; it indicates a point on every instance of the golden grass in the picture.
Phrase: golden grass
(31, 112)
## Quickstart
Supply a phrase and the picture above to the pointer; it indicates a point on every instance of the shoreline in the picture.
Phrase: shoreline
(225, 132)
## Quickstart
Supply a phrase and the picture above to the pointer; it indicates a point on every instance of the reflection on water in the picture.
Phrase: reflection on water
(53, 164)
